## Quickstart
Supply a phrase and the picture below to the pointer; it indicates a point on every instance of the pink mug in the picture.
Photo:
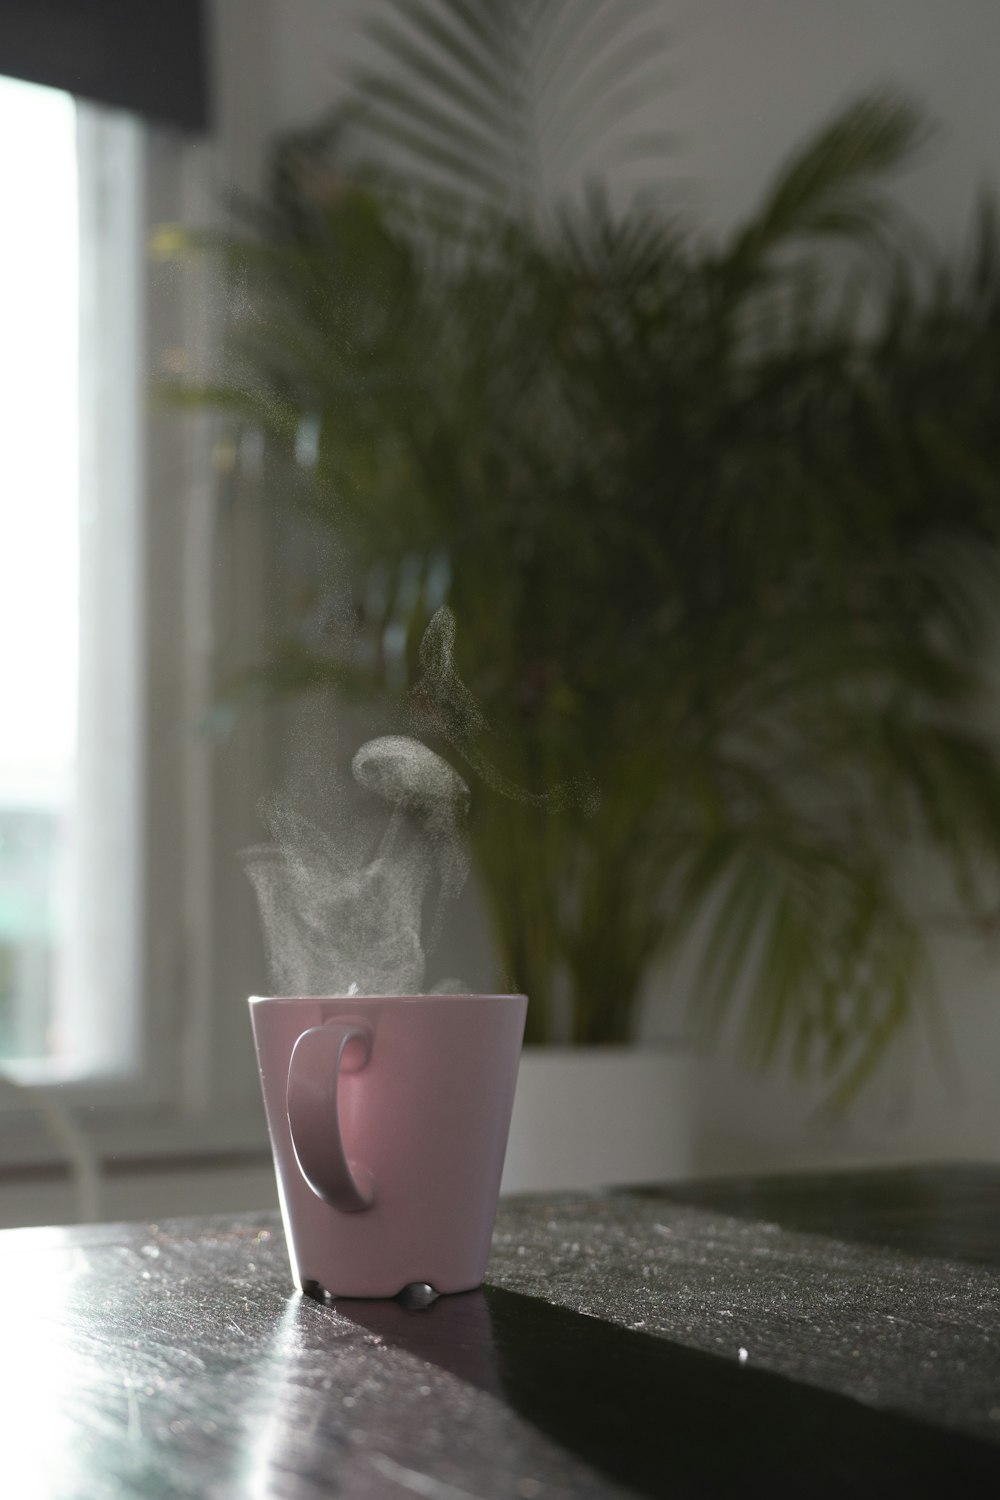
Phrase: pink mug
(388, 1117)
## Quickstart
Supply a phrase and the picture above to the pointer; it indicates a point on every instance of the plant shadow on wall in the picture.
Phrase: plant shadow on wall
(717, 521)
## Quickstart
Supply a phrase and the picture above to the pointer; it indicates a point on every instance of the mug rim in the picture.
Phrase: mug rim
(316, 999)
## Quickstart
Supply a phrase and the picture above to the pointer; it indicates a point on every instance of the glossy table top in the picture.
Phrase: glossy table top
(816, 1336)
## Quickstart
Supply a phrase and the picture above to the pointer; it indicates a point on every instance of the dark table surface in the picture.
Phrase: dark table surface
(822, 1335)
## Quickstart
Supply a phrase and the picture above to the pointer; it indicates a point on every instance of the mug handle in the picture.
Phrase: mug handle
(314, 1118)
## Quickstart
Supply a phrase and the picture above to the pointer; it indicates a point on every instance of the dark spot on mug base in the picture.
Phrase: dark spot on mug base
(417, 1295)
(315, 1292)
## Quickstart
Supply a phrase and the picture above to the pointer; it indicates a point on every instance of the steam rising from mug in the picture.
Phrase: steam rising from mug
(342, 918)
(442, 704)
(345, 913)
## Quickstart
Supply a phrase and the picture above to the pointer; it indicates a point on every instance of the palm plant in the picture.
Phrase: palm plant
(718, 524)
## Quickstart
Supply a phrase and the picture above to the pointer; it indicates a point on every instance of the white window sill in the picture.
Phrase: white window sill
(125, 1141)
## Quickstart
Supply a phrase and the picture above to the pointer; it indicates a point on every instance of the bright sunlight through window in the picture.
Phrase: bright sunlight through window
(71, 481)
(39, 547)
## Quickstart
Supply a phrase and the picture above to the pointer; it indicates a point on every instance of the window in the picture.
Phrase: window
(69, 557)
(132, 569)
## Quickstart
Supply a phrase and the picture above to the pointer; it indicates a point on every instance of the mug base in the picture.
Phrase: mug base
(414, 1296)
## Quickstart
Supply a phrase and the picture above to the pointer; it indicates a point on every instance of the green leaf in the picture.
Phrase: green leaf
(828, 187)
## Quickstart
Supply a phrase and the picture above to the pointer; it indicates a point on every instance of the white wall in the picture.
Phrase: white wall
(748, 79)
(752, 77)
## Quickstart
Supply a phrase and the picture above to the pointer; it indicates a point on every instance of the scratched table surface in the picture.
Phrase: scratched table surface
(825, 1335)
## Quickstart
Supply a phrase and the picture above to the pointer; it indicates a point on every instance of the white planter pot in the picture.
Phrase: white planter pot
(588, 1117)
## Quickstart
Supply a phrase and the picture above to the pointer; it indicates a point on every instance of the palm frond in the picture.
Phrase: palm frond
(834, 186)
(806, 950)
(531, 86)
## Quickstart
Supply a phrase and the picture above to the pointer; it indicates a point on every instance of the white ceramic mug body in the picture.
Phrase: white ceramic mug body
(388, 1117)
